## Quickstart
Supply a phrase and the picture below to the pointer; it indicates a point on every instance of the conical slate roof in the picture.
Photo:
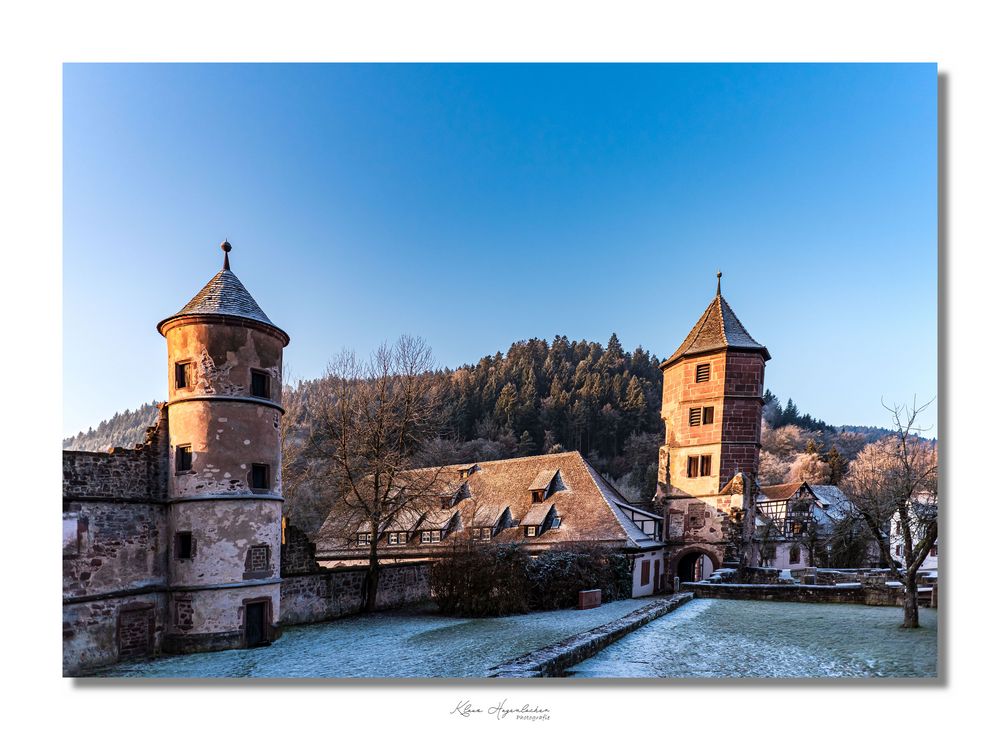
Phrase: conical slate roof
(223, 295)
(718, 328)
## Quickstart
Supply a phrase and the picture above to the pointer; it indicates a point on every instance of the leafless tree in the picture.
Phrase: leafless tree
(894, 481)
(368, 422)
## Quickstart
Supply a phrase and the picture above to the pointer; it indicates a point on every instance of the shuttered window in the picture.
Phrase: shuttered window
(701, 373)
(694, 417)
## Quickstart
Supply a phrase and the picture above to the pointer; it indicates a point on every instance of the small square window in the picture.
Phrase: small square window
(556, 521)
(364, 538)
(183, 375)
(530, 531)
(487, 533)
(260, 384)
(694, 417)
(702, 372)
(185, 546)
(708, 415)
(260, 476)
(182, 462)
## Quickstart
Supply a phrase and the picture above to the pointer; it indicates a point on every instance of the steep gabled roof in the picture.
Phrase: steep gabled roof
(783, 491)
(223, 295)
(718, 328)
(591, 510)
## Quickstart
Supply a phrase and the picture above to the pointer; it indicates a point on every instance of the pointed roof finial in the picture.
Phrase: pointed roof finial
(718, 287)
(227, 248)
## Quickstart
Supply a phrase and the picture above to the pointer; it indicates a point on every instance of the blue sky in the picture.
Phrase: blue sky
(476, 205)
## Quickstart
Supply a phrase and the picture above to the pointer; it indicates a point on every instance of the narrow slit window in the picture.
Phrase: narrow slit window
(185, 546)
(183, 375)
(701, 373)
(260, 384)
(183, 458)
(706, 464)
(694, 417)
(693, 467)
(260, 476)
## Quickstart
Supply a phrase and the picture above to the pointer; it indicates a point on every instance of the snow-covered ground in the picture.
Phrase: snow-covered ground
(716, 638)
(415, 643)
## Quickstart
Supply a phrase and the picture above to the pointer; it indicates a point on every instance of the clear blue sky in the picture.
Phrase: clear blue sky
(475, 205)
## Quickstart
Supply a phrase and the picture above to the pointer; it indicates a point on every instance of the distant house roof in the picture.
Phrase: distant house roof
(782, 491)
(590, 509)
(718, 328)
(224, 295)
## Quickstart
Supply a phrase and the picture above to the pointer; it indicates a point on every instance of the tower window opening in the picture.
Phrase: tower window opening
(708, 415)
(185, 546)
(694, 417)
(699, 465)
(260, 476)
(702, 372)
(182, 462)
(260, 384)
(183, 375)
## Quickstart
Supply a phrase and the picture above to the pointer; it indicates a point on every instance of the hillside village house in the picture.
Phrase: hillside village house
(785, 515)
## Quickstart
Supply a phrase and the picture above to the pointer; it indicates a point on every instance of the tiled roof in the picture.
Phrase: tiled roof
(542, 480)
(536, 515)
(590, 508)
(718, 328)
(782, 491)
(223, 295)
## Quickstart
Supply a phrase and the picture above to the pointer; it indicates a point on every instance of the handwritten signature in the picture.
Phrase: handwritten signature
(466, 708)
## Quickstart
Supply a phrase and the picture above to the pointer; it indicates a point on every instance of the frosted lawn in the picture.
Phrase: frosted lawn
(413, 643)
(713, 638)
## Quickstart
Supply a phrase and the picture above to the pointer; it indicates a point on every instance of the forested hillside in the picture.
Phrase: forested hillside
(543, 396)
(124, 429)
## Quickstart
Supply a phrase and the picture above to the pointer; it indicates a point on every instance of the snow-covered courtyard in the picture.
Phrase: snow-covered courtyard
(715, 638)
(413, 643)
(705, 638)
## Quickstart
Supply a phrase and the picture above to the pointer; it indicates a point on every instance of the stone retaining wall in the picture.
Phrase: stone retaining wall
(555, 659)
(338, 592)
(846, 593)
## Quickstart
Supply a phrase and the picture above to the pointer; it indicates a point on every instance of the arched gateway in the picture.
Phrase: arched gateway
(693, 564)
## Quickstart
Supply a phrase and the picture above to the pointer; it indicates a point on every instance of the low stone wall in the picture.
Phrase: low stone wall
(845, 593)
(553, 660)
(338, 592)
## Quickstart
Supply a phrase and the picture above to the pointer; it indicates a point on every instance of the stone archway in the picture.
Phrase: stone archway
(693, 564)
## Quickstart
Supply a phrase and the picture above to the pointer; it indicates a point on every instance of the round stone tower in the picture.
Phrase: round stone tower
(224, 479)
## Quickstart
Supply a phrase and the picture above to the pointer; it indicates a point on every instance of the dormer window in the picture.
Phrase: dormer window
(537, 496)
(431, 536)
(531, 531)
(482, 533)
(364, 538)
(397, 538)
(260, 384)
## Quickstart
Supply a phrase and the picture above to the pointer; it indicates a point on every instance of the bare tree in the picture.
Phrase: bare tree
(369, 421)
(894, 481)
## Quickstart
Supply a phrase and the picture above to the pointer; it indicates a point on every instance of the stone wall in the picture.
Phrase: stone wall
(104, 631)
(298, 553)
(336, 593)
(848, 593)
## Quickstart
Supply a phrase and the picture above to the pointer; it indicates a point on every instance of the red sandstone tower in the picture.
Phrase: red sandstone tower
(224, 479)
(713, 387)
